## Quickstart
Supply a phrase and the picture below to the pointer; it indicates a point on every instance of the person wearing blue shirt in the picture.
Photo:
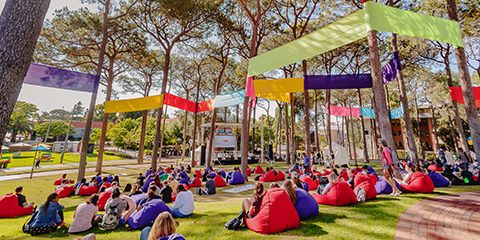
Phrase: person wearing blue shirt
(50, 213)
(306, 162)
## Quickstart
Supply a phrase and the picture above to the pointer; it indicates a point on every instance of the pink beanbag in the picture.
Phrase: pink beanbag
(340, 194)
(102, 200)
(280, 176)
(268, 177)
(277, 214)
(65, 191)
(419, 183)
(87, 190)
(219, 181)
(258, 170)
(9, 207)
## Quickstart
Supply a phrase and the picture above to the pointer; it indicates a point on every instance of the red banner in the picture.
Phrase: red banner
(205, 106)
(457, 96)
(178, 102)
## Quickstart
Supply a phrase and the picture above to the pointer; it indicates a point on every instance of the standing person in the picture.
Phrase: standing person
(306, 162)
(22, 200)
(449, 160)
(184, 203)
(387, 165)
(441, 155)
(85, 217)
(164, 228)
(464, 158)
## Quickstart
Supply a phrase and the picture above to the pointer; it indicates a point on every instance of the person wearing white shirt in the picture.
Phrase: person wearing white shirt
(449, 157)
(184, 203)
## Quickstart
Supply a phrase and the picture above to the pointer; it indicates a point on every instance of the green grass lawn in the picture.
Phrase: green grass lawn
(371, 220)
(26, 158)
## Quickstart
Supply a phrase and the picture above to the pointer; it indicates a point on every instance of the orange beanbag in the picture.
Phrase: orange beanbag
(9, 207)
(102, 200)
(195, 183)
(280, 176)
(340, 194)
(65, 191)
(367, 182)
(268, 177)
(419, 183)
(219, 181)
(258, 170)
(87, 190)
(276, 214)
(308, 180)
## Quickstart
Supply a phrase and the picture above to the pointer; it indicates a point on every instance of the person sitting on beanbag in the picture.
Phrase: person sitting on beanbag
(131, 207)
(163, 228)
(332, 178)
(136, 189)
(184, 203)
(166, 192)
(251, 206)
(112, 187)
(63, 184)
(173, 183)
(210, 188)
(114, 207)
(297, 181)
(93, 182)
(410, 168)
(151, 195)
(22, 200)
(289, 187)
(85, 217)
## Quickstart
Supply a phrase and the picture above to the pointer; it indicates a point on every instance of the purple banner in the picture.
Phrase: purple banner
(390, 70)
(46, 76)
(346, 81)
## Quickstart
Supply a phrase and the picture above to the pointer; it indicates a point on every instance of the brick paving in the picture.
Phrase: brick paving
(444, 217)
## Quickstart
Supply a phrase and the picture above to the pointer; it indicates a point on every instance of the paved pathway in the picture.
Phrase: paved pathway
(443, 217)
(63, 166)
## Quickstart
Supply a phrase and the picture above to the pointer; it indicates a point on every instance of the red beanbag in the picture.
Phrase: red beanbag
(308, 180)
(435, 168)
(198, 174)
(277, 214)
(419, 183)
(340, 194)
(195, 183)
(87, 190)
(258, 170)
(268, 177)
(280, 176)
(219, 181)
(344, 175)
(367, 182)
(9, 207)
(58, 182)
(102, 200)
(106, 185)
(249, 171)
(65, 191)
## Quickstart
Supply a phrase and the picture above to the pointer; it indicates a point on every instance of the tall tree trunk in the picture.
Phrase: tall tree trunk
(195, 123)
(103, 135)
(456, 111)
(292, 129)
(254, 127)
(353, 136)
(143, 130)
(211, 136)
(346, 124)
(287, 136)
(20, 25)
(466, 83)
(158, 132)
(434, 125)
(317, 140)
(13, 137)
(329, 124)
(184, 135)
(364, 138)
(422, 150)
(306, 109)
(91, 110)
(381, 108)
(411, 146)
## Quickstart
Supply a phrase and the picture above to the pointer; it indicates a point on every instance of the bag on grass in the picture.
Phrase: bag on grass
(236, 223)
(111, 219)
(361, 194)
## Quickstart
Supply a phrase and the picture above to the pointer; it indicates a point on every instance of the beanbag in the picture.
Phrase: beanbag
(435, 168)
(237, 178)
(280, 176)
(168, 170)
(222, 172)
(438, 179)
(183, 174)
(102, 200)
(147, 214)
(340, 194)
(306, 205)
(59, 181)
(419, 183)
(146, 184)
(268, 177)
(106, 185)
(308, 180)
(219, 181)
(382, 187)
(258, 170)
(306, 187)
(344, 175)
(110, 178)
(183, 181)
(195, 183)
(249, 172)
(65, 191)
(87, 190)
(367, 182)
(212, 175)
(139, 197)
(9, 207)
(370, 170)
(148, 172)
(198, 174)
(277, 214)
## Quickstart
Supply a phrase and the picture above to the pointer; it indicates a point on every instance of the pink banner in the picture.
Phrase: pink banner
(344, 111)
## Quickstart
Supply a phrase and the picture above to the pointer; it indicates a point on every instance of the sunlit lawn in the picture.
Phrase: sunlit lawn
(371, 220)
(26, 158)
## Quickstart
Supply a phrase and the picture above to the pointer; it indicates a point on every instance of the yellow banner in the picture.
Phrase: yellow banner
(134, 105)
(284, 85)
(276, 96)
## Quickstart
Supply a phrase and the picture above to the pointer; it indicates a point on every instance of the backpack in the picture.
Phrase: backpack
(361, 194)
(111, 219)
(26, 228)
(236, 223)
(35, 231)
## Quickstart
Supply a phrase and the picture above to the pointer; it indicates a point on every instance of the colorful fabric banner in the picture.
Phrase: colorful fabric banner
(330, 37)
(134, 105)
(392, 68)
(389, 19)
(46, 76)
(396, 113)
(178, 102)
(230, 99)
(457, 95)
(275, 96)
(250, 89)
(205, 106)
(340, 111)
(284, 85)
(367, 112)
(346, 81)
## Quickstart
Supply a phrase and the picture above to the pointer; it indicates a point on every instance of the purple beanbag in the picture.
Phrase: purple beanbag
(222, 172)
(382, 187)
(147, 214)
(212, 175)
(148, 172)
(305, 186)
(306, 205)
(370, 170)
(110, 178)
(438, 179)
(183, 181)
(237, 178)
(183, 174)
(137, 198)
(146, 184)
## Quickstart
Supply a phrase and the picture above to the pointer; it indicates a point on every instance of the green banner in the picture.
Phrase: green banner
(330, 37)
(389, 19)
